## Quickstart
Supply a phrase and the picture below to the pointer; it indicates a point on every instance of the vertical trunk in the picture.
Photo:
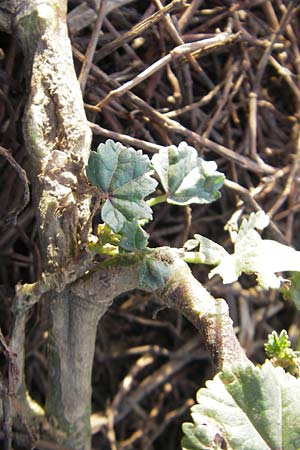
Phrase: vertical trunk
(57, 139)
(70, 358)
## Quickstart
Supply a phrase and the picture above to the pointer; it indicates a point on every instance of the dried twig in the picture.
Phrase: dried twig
(92, 46)
(12, 215)
(138, 29)
(204, 46)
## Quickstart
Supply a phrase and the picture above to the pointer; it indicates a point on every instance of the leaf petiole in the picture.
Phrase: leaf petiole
(194, 258)
(156, 200)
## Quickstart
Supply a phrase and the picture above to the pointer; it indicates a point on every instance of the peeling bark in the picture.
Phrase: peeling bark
(57, 139)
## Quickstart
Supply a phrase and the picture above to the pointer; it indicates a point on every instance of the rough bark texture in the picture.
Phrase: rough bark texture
(57, 138)
(182, 292)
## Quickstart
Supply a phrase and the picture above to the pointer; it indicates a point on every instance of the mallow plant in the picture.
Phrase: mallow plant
(245, 406)
(125, 178)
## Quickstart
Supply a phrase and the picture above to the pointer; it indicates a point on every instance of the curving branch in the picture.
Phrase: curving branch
(57, 139)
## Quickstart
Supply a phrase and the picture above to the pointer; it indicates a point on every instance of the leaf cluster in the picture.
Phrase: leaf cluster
(125, 179)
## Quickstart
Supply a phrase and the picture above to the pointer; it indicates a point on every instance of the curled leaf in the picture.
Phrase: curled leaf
(185, 177)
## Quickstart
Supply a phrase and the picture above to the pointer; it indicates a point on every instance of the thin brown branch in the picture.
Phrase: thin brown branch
(139, 29)
(85, 69)
(12, 215)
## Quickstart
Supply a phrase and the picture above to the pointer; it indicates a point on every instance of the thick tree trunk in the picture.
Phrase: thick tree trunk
(57, 139)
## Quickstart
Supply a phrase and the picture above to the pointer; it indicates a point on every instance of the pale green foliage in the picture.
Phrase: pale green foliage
(279, 351)
(123, 176)
(185, 177)
(209, 251)
(246, 408)
(252, 254)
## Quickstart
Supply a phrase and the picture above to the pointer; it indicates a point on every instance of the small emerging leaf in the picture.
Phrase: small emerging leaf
(185, 177)
(134, 237)
(277, 344)
(246, 408)
(279, 351)
(123, 176)
(153, 274)
(210, 252)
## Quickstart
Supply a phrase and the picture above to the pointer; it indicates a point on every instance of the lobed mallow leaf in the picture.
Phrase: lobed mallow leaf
(246, 408)
(124, 177)
(252, 255)
(185, 177)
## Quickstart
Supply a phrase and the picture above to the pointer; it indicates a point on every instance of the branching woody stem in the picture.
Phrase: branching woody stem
(57, 137)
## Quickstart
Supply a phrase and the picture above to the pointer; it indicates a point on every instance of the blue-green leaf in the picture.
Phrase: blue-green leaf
(153, 274)
(185, 177)
(246, 408)
(134, 237)
(124, 177)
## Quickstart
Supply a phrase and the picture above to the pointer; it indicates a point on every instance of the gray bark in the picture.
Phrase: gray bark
(57, 139)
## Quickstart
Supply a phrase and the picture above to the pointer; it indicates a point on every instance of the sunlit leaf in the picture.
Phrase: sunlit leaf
(246, 408)
(124, 177)
(186, 177)
(252, 255)
(210, 252)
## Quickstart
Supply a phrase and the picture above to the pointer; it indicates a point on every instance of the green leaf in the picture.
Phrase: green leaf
(246, 408)
(123, 176)
(278, 349)
(277, 344)
(134, 237)
(252, 255)
(153, 274)
(185, 177)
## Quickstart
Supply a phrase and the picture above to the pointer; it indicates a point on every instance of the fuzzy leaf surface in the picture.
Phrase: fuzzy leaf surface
(185, 177)
(246, 408)
(124, 177)
(153, 274)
